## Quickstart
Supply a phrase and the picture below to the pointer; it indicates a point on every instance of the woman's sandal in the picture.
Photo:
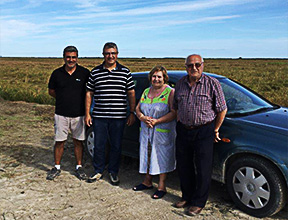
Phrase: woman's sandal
(141, 187)
(158, 194)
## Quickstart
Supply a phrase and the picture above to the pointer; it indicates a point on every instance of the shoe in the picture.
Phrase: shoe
(53, 173)
(114, 179)
(141, 187)
(158, 194)
(194, 210)
(181, 204)
(81, 175)
(94, 177)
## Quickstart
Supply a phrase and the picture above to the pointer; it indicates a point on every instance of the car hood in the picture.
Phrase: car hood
(274, 120)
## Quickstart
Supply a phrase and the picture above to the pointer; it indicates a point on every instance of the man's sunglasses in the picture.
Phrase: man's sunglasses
(70, 57)
(191, 65)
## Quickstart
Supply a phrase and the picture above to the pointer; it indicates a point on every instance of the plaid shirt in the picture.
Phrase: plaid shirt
(199, 104)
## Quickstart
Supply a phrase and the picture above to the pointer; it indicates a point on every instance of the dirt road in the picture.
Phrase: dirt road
(26, 154)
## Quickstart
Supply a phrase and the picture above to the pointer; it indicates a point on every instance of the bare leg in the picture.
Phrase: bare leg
(162, 185)
(147, 180)
(78, 150)
(58, 151)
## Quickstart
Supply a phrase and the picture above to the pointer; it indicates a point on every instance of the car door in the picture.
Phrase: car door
(130, 144)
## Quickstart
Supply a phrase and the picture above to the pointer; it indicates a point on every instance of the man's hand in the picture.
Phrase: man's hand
(131, 119)
(217, 138)
(88, 120)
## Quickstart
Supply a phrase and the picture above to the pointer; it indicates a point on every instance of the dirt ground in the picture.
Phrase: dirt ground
(26, 154)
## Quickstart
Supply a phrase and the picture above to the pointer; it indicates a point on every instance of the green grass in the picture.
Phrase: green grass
(26, 79)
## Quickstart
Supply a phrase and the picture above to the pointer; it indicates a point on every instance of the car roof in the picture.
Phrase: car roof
(177, 74)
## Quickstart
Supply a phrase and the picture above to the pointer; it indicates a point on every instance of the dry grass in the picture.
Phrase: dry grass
(27, 78)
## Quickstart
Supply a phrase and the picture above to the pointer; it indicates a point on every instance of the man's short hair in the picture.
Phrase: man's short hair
(110, 45)
(70, 49)
(202, 60)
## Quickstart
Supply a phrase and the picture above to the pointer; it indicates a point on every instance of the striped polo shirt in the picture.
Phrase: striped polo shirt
(110, 91)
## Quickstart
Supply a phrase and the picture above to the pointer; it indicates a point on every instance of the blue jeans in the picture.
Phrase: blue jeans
(111, 130)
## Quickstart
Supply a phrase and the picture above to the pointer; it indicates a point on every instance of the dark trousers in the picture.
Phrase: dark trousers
(104, 130)
(194, 154)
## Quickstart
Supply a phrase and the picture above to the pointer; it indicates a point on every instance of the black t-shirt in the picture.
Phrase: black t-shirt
(70, 91)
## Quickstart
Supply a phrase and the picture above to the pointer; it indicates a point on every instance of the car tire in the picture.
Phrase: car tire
(89, 145)
(256, 186)
(89, 142)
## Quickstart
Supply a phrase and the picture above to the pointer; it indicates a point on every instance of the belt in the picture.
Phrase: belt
(191, 127)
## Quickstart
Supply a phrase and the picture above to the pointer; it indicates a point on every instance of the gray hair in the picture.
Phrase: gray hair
(202, 60)
(70, 49)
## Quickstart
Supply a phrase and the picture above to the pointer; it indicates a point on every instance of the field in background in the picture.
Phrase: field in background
(26, 79)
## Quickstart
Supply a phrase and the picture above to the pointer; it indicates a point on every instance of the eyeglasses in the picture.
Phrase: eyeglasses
(70, 57)
(108, 54)
(191, 65)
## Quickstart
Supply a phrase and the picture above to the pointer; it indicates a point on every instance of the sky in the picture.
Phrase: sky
(145, 28)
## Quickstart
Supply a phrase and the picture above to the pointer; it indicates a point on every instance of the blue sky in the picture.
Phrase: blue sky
(145, 28)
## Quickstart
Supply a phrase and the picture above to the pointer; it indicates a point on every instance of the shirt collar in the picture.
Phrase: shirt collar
(201, 80)
(116, 68)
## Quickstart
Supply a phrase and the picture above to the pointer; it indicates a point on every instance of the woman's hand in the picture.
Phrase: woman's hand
(153, 122)
(147, 121)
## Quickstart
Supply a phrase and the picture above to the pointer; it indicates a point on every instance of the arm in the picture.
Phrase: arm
(141, 116)
(88, 101)
(52, 92)
(218, 122)
(132, 103)
(168, 117)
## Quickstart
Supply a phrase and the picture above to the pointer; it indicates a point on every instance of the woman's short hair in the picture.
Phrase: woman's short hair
(157, 69)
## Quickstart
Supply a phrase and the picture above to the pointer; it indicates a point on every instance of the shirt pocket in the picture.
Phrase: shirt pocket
(202, 99)
(182, 97)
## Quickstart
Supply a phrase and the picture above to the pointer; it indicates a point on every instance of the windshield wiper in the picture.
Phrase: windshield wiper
(263, 109)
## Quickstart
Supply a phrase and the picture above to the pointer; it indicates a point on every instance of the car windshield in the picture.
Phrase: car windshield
(241, 100)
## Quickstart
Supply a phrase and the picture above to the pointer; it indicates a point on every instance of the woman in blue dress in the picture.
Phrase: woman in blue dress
(157, 134)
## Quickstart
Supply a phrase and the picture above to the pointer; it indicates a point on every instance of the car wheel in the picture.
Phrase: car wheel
(89, 142)
(89, 145)
(256, 186)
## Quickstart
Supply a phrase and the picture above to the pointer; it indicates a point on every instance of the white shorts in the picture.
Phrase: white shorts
(63, 124)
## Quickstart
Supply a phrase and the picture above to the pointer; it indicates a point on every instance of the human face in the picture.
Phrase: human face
(157, 79)
(70, 59)
(194, 67)
(110, 56)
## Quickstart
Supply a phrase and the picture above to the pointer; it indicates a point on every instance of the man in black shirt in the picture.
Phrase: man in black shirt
(67, 85)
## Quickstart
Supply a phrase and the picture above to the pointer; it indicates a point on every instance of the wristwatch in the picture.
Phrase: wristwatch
(133, 113)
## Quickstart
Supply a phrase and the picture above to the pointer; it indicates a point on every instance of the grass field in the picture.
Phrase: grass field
(26, 79)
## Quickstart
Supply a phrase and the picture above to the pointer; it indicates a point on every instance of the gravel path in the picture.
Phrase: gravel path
(26, 154)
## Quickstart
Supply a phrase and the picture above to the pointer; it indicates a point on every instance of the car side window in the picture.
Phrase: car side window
(171, 84)
(141, 83)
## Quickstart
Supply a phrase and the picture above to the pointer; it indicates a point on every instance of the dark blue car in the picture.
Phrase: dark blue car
(251, 159)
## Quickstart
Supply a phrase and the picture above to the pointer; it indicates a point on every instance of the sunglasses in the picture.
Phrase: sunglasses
(112, 53)
(191, 65)
(70, 57)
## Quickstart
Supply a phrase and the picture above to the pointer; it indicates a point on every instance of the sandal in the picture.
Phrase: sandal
(158, 194)
(141, 187)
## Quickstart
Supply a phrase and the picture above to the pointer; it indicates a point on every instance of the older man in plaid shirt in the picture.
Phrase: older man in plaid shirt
(201, 108)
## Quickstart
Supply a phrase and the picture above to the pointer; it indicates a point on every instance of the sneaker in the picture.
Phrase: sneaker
(81, 175)
(53, 173)
(95, 177)
(114, 179)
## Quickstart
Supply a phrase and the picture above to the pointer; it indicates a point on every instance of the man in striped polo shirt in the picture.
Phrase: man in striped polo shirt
(109, 83)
